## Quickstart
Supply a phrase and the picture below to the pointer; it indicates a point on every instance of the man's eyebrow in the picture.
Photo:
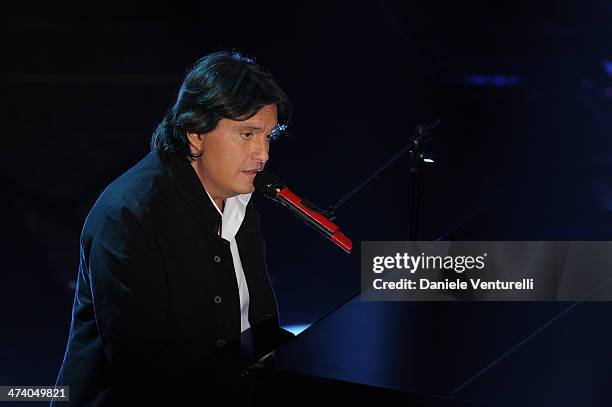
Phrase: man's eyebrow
(250, 127)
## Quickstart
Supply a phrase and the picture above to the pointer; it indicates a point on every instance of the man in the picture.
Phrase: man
(172, 291)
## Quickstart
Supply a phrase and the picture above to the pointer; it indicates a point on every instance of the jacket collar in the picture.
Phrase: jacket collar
(185, 177)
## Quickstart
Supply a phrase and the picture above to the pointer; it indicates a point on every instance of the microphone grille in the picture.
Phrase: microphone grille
(268, 184)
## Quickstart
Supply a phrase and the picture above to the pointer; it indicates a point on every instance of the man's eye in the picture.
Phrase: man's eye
(247, 135)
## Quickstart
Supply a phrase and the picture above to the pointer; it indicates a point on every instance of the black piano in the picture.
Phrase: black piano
(444, 354)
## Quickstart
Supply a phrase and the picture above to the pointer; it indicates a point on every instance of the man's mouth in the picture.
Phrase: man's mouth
(251, 172)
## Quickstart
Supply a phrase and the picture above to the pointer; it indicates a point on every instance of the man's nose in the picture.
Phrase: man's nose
(261, 148)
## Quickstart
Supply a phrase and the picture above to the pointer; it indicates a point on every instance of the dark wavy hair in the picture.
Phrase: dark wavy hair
(220, 85)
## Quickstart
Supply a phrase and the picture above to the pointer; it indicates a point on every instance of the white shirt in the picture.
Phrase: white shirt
(231, 219)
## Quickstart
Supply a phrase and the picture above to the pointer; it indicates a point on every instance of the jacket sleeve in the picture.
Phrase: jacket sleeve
(129, 291)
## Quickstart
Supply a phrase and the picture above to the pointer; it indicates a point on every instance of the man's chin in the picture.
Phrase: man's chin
(246, 190)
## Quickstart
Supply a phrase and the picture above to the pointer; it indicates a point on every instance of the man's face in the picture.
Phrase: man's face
(233, 153)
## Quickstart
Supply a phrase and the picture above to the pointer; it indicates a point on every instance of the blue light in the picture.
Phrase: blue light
(494, 81)
(296, 329)
(607, 66)
(476, 80)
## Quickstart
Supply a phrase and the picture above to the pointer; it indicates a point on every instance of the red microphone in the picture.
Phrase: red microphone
(272, 187)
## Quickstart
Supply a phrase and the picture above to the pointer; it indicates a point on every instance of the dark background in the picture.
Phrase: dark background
(524, 90)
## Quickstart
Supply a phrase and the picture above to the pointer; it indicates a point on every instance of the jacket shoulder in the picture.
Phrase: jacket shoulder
(135, 192)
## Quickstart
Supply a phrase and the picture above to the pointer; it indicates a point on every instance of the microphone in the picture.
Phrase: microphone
(272, 187)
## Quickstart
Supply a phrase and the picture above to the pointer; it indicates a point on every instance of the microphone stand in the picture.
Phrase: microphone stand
(415, 146)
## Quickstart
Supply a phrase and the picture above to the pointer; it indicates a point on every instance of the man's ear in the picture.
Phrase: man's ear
(195, 141)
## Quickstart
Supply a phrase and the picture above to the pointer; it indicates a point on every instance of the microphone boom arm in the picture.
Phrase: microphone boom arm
(421, 135)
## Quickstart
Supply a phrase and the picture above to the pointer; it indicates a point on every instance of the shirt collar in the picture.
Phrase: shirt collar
(233, 214)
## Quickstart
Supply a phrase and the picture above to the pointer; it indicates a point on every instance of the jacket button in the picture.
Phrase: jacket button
(217, 259)
(220, 343)
(218, 299)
